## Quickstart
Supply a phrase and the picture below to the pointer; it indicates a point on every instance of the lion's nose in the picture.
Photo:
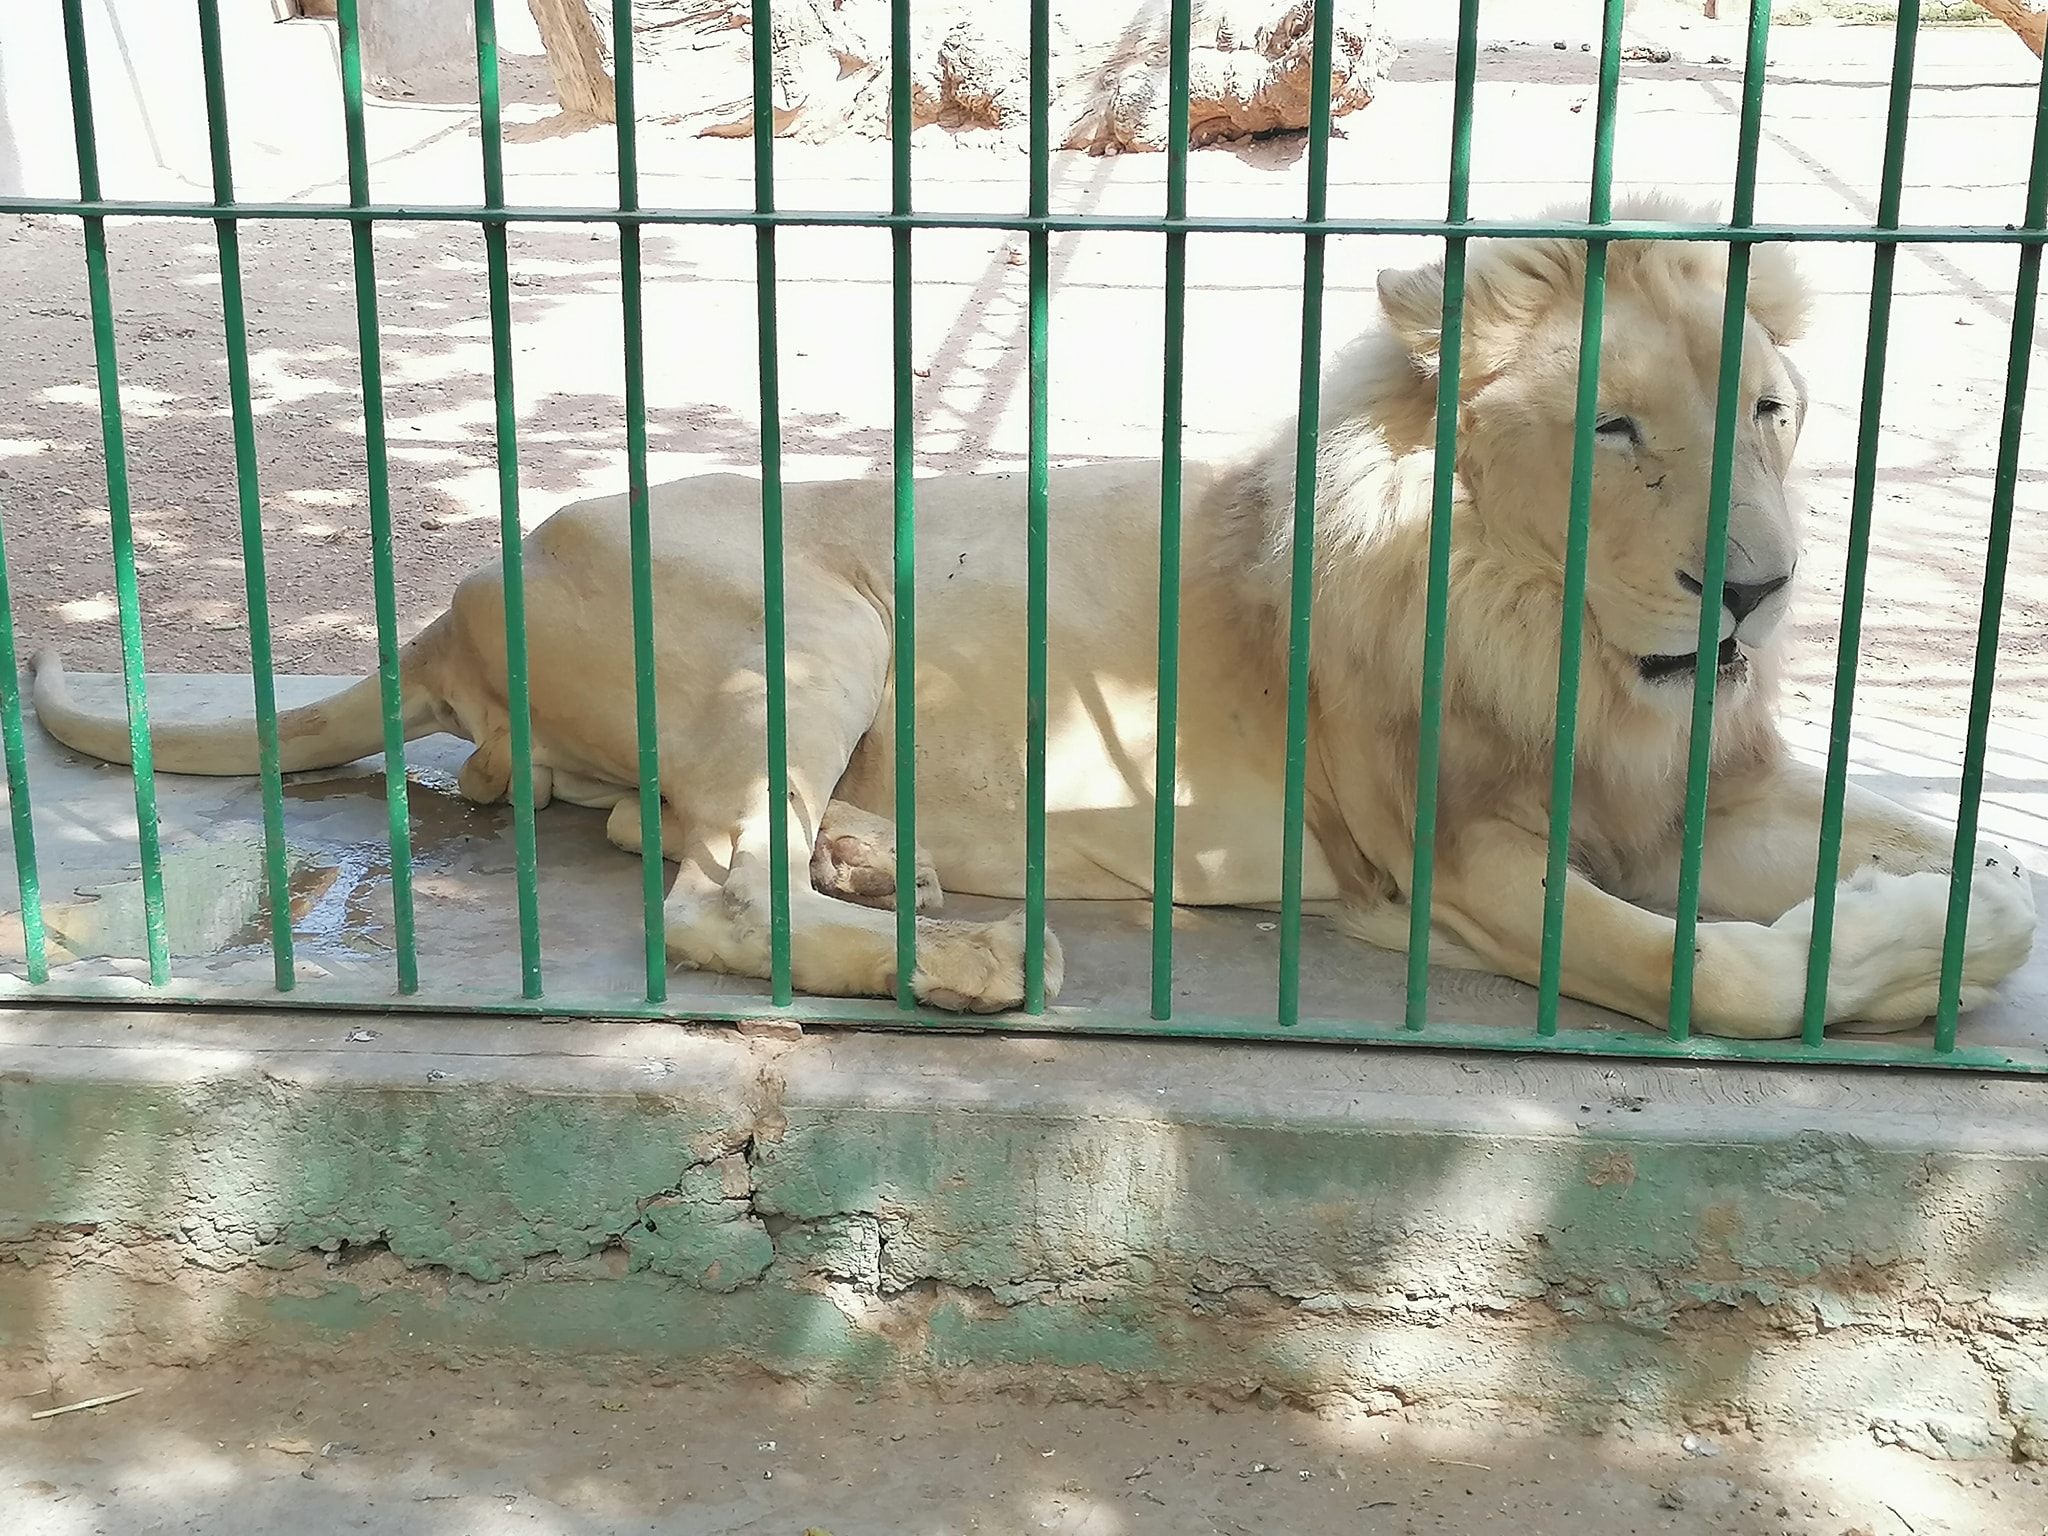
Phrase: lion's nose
(1744, 597)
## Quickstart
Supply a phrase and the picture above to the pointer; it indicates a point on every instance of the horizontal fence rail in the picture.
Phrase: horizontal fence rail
(1052, 223)
(630, 218)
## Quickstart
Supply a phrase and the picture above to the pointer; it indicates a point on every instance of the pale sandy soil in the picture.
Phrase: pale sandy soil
(418, 1451)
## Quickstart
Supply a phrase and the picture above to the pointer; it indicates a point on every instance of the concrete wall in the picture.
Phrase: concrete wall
(149, 99)
(1370, 1231)
(415, 43)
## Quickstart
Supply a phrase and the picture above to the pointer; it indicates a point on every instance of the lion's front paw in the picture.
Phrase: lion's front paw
(979, 967)
(1890, 931)
(2002, 917)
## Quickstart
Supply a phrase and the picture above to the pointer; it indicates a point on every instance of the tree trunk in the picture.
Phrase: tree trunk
(575, 58)
(2029, 18)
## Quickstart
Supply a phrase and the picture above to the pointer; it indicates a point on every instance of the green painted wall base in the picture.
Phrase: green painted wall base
(1368, 1231)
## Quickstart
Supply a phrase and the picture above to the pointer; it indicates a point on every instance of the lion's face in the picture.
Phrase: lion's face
(1652, 472)
(1653, 442)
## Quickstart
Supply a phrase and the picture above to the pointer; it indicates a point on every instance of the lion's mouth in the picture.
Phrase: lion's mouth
(1664, 669)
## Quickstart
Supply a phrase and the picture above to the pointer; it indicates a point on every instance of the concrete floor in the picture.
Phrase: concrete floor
(1227, 960)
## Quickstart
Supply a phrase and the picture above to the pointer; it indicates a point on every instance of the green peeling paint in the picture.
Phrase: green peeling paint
(1582, 1275)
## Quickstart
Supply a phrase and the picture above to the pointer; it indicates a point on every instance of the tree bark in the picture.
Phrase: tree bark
(2029, 18)
(575, 59)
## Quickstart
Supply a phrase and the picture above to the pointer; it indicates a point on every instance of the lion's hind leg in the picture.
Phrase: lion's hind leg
(719, 910)
(485, 777)
(622, 827)
(719, 913)
(854, 859)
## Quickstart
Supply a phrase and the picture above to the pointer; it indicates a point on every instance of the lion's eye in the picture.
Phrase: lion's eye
(1619, 430)
(1768, 409)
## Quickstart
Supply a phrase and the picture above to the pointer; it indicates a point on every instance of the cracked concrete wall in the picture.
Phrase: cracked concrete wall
(1097, 1217)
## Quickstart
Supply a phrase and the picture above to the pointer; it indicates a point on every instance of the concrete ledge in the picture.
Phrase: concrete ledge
(1591, 1243)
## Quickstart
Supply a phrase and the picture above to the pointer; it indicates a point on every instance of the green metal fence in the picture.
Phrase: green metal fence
(494, 216)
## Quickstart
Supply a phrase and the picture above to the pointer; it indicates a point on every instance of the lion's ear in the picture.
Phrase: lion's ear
(1413, 301)
(1778, 295)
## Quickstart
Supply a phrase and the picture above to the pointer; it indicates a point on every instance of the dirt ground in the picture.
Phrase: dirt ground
(231, 1451)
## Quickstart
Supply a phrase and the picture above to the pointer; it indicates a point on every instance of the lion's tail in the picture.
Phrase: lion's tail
(338, 729)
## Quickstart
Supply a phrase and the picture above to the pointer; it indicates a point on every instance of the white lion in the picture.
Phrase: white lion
(1649, 513)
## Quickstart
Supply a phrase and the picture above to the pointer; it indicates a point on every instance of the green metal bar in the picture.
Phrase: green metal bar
(1713, 581)
(903, 468)
(1150, 224)
(511, 535)
(1714, 575)
(2026, 295)
(1166, 739)
(1862, 500)
(28, 878)
(1301, 580)
(370, 348)
(1035, 515)
(127, 599)
(646, 718)
(1436, 610)
(277, 873)
(1571, 635)
(775, 622)
(1871, 1052)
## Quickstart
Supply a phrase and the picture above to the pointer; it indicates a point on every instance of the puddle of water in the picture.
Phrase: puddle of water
(341, 890)
(435, 806)
(210, 887)
(339, 874)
